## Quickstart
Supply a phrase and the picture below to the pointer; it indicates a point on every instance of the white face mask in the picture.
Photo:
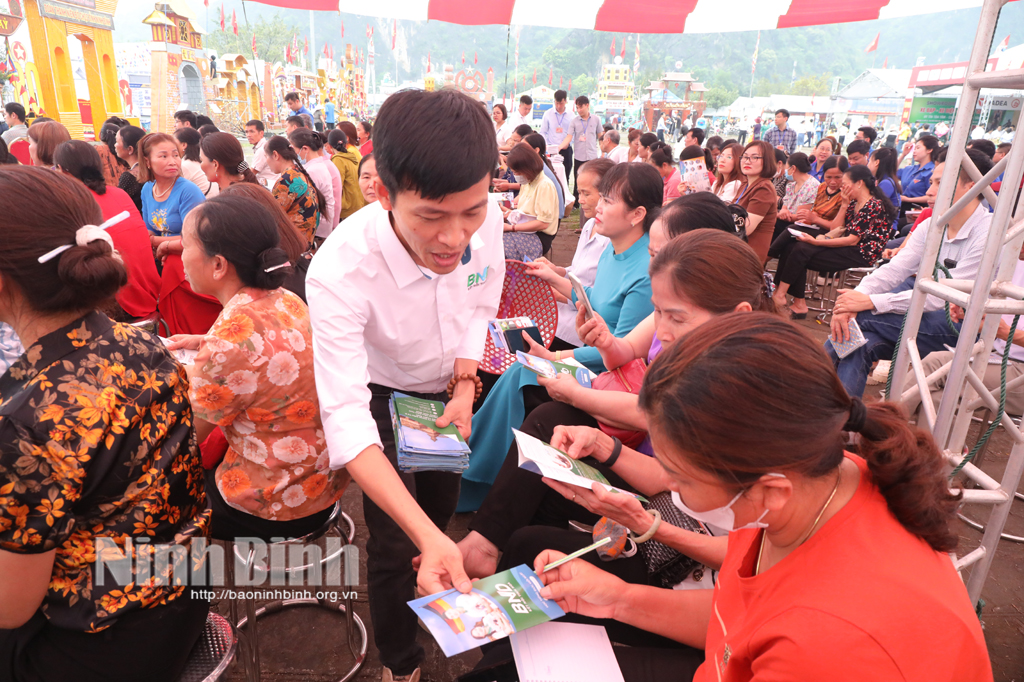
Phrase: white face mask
(723, 518)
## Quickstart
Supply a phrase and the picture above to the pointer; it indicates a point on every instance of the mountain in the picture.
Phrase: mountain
(810, 56)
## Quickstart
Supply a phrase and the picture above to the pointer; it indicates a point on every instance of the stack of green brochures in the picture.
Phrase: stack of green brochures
(421, 445)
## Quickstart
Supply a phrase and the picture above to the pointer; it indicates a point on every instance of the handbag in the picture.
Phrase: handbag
(666, 566)
(628, 378)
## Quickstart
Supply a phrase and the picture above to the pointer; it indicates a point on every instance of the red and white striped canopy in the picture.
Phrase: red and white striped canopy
(637, 16)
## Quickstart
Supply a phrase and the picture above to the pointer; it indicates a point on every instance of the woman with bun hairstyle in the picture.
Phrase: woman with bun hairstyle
(309, 146)
(137, 298)
(748, 417)
(96, 451)
(347, 163)
(294, 190)
(253, 377)
(223, 162)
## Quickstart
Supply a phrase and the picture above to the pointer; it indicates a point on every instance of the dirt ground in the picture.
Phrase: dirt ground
(309, 644)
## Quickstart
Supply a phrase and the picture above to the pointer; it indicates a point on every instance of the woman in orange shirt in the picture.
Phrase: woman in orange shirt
(837, 566)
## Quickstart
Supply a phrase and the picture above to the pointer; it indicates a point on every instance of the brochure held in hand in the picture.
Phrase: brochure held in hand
(421, 445)
(537, 456)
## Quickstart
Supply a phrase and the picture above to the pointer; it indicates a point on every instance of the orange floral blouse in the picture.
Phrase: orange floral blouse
(253, 377)
(96, 441)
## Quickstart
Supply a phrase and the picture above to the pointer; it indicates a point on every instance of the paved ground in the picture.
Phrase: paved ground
(306, 644)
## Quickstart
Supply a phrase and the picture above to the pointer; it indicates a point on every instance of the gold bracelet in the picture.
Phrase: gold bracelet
(558, 356)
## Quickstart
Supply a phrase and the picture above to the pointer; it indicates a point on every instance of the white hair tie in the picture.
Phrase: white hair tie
(86, 235)
(277, 267)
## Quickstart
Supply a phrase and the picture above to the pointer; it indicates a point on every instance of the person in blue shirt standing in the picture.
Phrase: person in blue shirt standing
(555, 125)
(294, 102)
(915, 178)
(329, 113)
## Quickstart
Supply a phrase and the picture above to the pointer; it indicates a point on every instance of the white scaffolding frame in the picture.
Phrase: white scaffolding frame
(986, 298)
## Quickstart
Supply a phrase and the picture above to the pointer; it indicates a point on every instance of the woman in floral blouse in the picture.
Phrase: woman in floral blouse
(857, 243)
(801, 190)
(253, 377)
(294, 190)
(96, 455)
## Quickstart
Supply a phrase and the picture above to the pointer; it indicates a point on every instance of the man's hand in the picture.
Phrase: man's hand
(458, 411)
(957, 315)
(440, 568)
(841, 326)
(851, 301)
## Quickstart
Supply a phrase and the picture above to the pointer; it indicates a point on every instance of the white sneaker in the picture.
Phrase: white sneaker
(388, 676)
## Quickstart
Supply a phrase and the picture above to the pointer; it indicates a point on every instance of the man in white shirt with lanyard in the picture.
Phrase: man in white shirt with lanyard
(555, 125)
(400, 300)
(882, 298)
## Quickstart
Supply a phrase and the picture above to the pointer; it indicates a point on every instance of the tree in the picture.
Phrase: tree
(818, 84)
(718, 97)
(583, 85)
(272, 35)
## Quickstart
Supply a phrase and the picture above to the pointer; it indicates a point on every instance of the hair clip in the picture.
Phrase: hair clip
(242, 167)
(86, 234)
(277, 267)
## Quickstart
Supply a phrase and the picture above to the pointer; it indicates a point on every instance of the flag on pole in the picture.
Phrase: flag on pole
(343, 29)
(474, 59)
(885, 64)
(222, 16)
(551, 76)
(206, 3)
(463, 57)
(874, 43)
(517, 49)
(613, 46)
(623, 53)
(234, 23)
(570, 85)
(369, 30)
(305, 45)
(325, 49)
(254, 55)
(757, 46)
(636, 59)
(535, 75)
(288, 53)
(560, 82)
(1003, 45)
(394, 34)
(428, 62)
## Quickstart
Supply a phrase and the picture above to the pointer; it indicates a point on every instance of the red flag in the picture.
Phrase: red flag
(874, 43)
(623, 53)
(428, 62)
(474, 54)
(570, 85)
(560, 82)
(222, 16)
(325, 49)
(394, 34)
(343, 29)
(534, 75)
(551, 76)
(206, 2)
(613, 46)
(305, 45)
(234, 23)
(885, 64)
(463, 57)
(1003, 45)
(288, 53)
(254, 56)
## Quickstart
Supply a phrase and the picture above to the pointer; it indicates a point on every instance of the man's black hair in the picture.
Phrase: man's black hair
(292, 96)
(858, 147)
(697, 134)
(526, 99)
(581, 100)
(17, 109)
(257, 124)
(560, 95)
(462, 137)
(296, 120)
(204, 120)
(523, 129)
(869, 133)
(784, 112)
(186, 116)
(983, 145)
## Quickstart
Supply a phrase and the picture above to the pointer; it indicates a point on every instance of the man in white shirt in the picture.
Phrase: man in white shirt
(610, 148)
(881, 299)
(14, 116)
(254, 134)
(523, 115)
(400, 300)
(588, 249)
(555, 124)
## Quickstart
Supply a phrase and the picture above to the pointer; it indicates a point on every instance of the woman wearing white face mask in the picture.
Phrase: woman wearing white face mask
(531, 228)
(746, 416)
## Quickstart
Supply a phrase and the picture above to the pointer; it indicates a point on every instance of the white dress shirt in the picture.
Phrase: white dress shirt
(584, 265)
(966, 249)
(515, 119)
(619, 154)
(267, 177)
(378, 318)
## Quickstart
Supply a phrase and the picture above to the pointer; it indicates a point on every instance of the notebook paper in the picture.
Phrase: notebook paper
(565, 652)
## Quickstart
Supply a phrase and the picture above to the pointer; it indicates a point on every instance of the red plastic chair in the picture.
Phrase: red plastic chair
(522, 295)
(20, 150)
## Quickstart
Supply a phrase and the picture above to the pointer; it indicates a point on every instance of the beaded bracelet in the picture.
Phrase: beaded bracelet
(465, 376)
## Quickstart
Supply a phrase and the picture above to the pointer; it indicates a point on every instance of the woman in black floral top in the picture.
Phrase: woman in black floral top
(96, 448)
(857, 243)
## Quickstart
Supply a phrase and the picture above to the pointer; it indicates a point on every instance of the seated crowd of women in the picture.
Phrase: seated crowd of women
(731, 416)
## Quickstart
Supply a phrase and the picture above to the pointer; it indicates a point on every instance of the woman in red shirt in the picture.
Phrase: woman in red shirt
(757, 195)
(138, 298)
(837, 566)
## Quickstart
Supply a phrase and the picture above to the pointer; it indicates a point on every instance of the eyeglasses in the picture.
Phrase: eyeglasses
(747, 157)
